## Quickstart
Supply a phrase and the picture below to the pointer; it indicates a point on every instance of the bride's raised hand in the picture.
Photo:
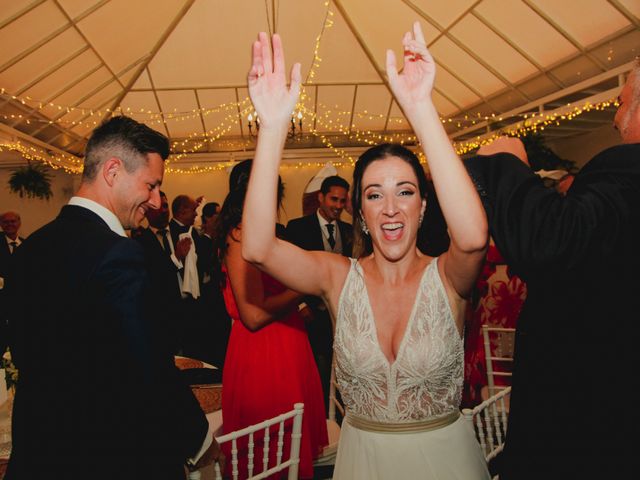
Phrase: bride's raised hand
(414, 85)
(271, 97)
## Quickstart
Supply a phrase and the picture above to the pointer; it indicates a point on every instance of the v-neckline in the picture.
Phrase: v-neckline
(391, 364)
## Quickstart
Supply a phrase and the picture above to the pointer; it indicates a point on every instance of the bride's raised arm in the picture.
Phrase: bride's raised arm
(457, 195)
(306, 272)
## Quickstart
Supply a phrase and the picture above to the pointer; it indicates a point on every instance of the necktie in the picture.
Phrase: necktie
(13, 246)
(332, 241)
(164, 234)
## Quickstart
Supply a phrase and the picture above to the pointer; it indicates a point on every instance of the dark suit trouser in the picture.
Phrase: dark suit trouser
(321, 340)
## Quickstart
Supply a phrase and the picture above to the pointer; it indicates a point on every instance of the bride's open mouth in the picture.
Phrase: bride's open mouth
(392, 231)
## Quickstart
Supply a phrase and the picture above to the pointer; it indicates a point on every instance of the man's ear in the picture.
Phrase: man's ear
(320, 196)
(110, 170)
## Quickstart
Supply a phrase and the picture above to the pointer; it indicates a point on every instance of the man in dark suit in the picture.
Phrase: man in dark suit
(323, 230)
(183, 212)
(9, 241)
(98, 395)
(163, 262)
(194, 322)
(575, 364)
(212, 303)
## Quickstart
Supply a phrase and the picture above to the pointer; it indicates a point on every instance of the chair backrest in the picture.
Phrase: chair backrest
(278, 442)
(489, 421)
(498, 354)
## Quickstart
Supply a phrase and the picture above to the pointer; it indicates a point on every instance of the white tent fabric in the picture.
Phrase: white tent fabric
(316, 182)
(180, 66)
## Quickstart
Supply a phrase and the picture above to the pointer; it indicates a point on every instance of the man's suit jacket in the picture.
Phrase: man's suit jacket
(305, 232)
(164, 283)
(98, 394)
(176, 229)
(5, 260)
(578, 330)
(197, 242)
(5, 254)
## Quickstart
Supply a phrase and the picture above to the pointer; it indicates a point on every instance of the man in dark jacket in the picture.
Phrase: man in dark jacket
(575, 373)
(323, 230)
(163, 262)
(9, 242)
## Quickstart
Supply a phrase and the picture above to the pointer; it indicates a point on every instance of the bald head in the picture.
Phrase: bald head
(10, 223)
(183, 209)
(627, 119)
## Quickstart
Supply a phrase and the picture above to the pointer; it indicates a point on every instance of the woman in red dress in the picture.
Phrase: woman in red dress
(269, 364)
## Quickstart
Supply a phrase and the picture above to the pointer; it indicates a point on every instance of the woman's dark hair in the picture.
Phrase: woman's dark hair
(231, 212)
(433, 236)
(362, 245)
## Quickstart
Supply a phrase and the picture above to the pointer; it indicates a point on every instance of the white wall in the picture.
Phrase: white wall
(33, 212)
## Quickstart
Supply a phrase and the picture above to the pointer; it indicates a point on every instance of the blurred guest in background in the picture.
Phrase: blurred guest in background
(323, 230)
(213, 312)
(269, 364)
(9, 241)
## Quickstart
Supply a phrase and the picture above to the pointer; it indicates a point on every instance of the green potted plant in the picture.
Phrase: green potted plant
(31, 181)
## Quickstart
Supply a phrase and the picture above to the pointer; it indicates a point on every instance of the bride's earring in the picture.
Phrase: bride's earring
(363, 224)
(420, 219)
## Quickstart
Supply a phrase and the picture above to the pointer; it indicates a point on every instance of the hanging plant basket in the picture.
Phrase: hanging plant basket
(32, 181)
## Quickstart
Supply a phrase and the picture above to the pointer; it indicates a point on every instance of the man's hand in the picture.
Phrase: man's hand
(182, 248)
(307, 314)
(510, 145)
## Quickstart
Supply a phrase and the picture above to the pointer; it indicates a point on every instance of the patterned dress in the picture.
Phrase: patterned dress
(424, 383)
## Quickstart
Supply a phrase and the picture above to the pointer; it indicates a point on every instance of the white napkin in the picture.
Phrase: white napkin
(552, 174)
(190, 283)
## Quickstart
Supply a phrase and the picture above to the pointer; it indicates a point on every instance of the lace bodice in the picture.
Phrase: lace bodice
(425, 380)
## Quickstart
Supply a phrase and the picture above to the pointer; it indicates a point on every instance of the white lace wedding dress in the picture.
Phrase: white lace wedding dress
(422, 386)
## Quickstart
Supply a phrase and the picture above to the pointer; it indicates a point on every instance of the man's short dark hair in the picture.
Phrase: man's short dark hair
(180, 202)
(333, 181)
(126, 139)
(210, 209)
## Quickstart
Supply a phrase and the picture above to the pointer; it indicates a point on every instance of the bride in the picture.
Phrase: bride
(399, 313)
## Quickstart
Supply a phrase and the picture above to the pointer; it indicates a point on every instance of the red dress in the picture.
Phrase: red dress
(265, 373)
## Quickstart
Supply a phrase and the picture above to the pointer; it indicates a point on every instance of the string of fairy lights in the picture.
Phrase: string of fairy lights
(329, 124)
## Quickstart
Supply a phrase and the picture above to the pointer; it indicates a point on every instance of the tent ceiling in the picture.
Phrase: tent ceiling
(180, 65)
